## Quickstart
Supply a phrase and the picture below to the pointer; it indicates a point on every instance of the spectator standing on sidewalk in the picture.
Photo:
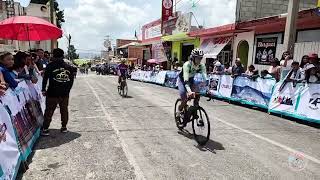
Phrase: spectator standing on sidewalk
(61, 77)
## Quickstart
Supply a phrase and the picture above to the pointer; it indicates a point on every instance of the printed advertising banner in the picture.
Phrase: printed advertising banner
(257, 92)
(161, 77)
(265, 50)
(284, 100)
(171, 79)
(9, 151)
(226, 86)
(214, 86)
(309, 104)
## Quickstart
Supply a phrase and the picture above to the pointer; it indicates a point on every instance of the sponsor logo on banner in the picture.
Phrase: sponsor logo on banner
(314, 102)
(283, 100)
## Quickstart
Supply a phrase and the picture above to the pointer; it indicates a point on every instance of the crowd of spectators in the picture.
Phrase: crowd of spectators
(287, 69)
(19, 66)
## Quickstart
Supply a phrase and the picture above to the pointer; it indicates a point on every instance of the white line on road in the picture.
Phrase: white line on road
(313, 159)
(125, 148)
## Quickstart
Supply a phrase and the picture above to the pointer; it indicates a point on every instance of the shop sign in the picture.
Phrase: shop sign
(152, 32)
(265, 50)
(167, 9)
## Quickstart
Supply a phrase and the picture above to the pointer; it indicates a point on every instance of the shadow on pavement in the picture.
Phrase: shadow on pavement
(211, 145)
(56, 139)
(128, 97)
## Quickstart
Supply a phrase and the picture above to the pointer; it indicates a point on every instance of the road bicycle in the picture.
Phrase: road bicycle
(123, 87)
(199, 118)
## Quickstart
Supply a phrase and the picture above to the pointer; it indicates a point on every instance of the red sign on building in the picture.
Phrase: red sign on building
(167, 9)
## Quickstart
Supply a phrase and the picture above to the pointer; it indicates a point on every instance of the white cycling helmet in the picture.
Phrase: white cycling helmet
(197, 53)
(217, 63)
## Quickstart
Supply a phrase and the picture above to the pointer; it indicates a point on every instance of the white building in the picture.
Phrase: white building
(37, 10)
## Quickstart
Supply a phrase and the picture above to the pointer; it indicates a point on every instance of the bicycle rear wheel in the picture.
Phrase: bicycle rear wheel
(201, 126)
(177, 117)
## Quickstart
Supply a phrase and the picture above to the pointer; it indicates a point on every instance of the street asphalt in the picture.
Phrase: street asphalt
(136, 138)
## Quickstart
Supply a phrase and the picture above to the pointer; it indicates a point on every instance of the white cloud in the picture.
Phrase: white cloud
(88, 21)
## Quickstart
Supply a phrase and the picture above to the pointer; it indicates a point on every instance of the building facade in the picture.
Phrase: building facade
(255, 9)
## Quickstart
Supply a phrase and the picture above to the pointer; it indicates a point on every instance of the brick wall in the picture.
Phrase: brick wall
(135, 52)
(253, 9)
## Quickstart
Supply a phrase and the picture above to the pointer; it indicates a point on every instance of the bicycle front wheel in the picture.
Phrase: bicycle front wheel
(124, 89)
(201, 126)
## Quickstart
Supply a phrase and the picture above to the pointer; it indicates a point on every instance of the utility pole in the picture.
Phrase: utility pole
(291, 25)
(69, 44)
(52, 21)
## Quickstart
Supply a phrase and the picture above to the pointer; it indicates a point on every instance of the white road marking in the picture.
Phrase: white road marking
(313, 159)
(291, 150)
(130, 157)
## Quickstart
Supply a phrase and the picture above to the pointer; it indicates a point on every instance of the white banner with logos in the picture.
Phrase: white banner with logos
(309, 104)
(214, 85)
(226, 84)
(284, 98)
(9, 151)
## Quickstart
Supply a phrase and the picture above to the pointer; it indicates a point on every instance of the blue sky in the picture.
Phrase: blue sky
(88, 21)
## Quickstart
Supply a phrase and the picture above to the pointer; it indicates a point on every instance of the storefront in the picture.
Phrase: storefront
(175, 33)
(217, 43)
(264, 39)
(182, 45)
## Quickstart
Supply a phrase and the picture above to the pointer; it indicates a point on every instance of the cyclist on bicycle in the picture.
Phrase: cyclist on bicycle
(186, 79)
(122, 71)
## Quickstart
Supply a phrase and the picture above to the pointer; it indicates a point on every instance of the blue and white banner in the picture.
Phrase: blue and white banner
(253, 91)
(161, 77)
(309, 102)
(171, 79)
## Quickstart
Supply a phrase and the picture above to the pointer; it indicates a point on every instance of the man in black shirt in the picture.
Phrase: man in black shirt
(61, 78)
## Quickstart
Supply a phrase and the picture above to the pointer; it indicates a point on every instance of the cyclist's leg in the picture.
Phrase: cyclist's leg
(183, 95)
(119, 80)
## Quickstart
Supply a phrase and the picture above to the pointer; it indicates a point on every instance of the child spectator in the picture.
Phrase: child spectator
(296, 74)
(252, 72)
(227, 69)
(275, 69)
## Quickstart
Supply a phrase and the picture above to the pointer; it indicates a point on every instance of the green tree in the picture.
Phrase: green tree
(72, 52)
(59, 13)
